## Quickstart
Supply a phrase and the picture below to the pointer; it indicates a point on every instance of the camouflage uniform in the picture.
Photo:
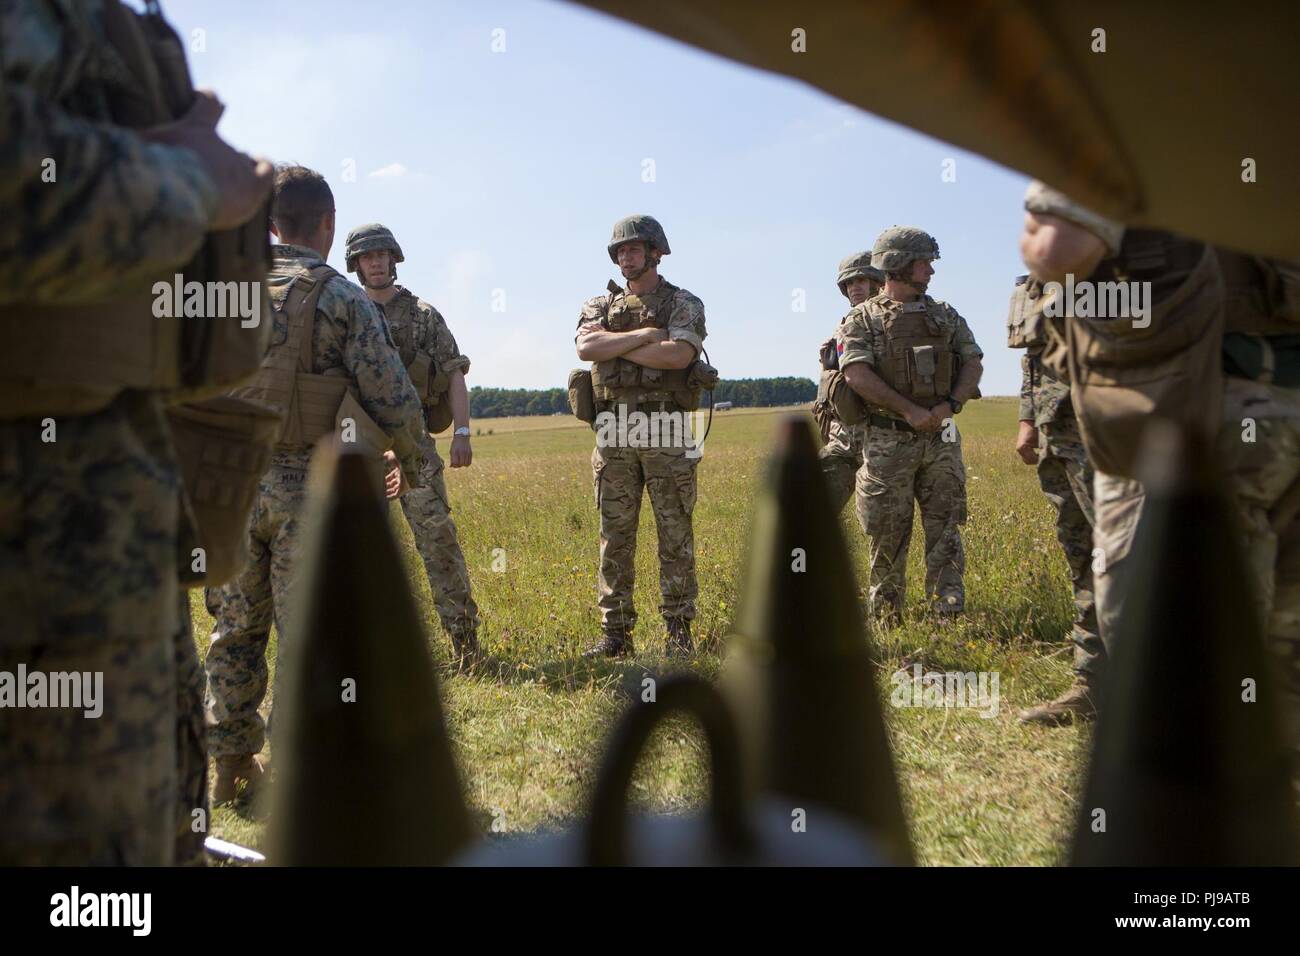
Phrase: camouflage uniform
(842, 455)
(902, 465)
(1263, 475)
(89, 521)
(1066, 477)
(841, 458)
(622, 475)
(416, 325)
(351, 337)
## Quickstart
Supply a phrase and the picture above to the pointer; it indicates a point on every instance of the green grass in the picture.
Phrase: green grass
(976, 790)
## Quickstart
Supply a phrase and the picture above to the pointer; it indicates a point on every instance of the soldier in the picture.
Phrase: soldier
(437, 370)
(641, 342)
(1049, 438)
(1223, 356)
(842, 454)
(89, 485)
(914, 362)
(325, 325)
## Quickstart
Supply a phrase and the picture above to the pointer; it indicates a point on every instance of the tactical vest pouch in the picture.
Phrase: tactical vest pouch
(438, 416)
(1024, 317)
(582, 398)
(700, 377)
(1123, 376)
(223, 446)
(419, 372)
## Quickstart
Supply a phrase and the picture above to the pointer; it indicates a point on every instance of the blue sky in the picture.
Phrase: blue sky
(502, 173)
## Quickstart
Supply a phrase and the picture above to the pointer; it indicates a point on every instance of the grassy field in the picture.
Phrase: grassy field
(977, 790)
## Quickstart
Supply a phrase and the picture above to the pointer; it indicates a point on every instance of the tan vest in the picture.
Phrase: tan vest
(919, 361)
(1122, 377)
(74, 359)
(311, 404)
(618, 380)
(430, 381)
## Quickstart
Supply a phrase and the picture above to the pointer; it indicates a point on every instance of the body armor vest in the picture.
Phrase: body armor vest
(1024, 318)
(430, 381)
(618, 380)
(74, 359)
(919, 361)
(310, 403)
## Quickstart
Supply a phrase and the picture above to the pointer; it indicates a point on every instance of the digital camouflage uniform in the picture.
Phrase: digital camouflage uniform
(902, 465)
(1066, 477)
(89, 521)
(352, 338)
(416, 325)
(622, 475)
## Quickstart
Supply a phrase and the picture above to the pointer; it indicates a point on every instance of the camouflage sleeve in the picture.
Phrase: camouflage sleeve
(853, 340)
(1026, 390)
(1041, 198)
(963, 339)
(89, 211)
(445, 350)
(589, 319)
(686, 324)
(384, 388)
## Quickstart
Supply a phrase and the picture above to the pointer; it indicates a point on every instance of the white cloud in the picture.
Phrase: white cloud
(390, 171)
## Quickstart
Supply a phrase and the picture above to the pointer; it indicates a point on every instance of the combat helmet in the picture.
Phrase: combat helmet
(368, 238)
(857, 266)
(632, 228)
(899, 246)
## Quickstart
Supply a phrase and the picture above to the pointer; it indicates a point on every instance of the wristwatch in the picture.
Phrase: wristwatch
(462, 432)
(955, 405)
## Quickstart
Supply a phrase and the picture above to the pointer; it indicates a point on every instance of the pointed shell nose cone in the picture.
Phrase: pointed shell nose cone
(366, 769)
(799, 667)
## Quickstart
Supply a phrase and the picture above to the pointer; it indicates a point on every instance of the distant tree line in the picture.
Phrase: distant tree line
(741, 392)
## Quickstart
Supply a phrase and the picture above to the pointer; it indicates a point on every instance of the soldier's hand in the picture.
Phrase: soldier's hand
(243, 182)
(395, 484)
(653, 336)
(1027, 443)
(461, 454)
(920, 419)
(940, 414)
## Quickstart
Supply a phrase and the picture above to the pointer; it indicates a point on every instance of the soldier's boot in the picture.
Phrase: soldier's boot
(611, 644)
(233, 768)
(1077, 703)
(679, 644)
(466, 655)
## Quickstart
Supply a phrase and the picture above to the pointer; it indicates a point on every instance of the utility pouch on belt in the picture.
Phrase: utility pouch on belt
(223, 446)
(582, 398)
